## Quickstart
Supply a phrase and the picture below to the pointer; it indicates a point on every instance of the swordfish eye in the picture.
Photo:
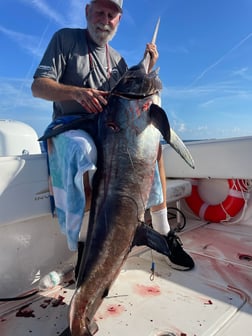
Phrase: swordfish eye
(113, 126)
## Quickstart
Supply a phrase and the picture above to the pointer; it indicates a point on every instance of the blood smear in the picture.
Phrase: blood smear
(147, 290)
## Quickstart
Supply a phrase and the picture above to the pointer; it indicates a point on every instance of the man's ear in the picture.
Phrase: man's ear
(87, 10)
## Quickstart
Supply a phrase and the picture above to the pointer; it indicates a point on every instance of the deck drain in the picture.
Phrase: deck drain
(245, 257)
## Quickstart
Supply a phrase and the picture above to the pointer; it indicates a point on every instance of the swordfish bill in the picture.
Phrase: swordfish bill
(147, 57)
(128, 141)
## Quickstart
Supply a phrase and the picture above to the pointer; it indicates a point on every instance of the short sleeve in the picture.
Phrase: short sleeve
(53, 62)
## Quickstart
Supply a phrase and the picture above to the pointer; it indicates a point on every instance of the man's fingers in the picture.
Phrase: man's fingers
(93, 100)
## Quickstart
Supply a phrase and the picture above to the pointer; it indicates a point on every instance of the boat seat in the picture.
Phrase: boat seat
(176, 190)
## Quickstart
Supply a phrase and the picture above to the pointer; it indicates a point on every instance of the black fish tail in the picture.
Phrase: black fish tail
(145, 235)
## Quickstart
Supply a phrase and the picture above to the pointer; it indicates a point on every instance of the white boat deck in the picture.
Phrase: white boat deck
(213, 299)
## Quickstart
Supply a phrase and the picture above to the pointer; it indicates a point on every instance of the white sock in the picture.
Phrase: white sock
(160, 221)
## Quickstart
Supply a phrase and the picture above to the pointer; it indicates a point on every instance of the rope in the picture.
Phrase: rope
(245, 187)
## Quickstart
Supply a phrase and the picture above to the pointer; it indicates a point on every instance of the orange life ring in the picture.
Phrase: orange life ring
(230, 207)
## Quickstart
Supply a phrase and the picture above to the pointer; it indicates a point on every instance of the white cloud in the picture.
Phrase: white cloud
(17, 103)
(73, 11)
(242, 73)
(45, 9)
(24, 41)
(221, 59)
(182, 128)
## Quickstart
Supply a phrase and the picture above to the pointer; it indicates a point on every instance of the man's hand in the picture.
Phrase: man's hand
(91, 99)
(152, 49)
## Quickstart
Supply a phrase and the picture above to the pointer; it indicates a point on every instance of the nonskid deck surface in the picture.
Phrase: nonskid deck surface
(212, 299)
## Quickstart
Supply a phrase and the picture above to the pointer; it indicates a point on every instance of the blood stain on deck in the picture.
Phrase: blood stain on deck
(147, 290)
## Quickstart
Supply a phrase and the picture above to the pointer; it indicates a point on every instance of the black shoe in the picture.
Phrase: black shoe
(178, 259)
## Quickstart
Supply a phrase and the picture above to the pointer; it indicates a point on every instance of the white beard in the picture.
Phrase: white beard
(101, 34)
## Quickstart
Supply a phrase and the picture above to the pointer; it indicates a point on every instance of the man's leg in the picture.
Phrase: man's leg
(178, 259)
(159, 212)
(88, 190)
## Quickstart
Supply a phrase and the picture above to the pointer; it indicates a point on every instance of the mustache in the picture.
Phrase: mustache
(103, 27)
(101, 33)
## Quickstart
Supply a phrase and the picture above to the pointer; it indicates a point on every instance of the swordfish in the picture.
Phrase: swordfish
(128, 143)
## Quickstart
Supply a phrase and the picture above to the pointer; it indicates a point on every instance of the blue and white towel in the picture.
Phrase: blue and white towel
(70, 155)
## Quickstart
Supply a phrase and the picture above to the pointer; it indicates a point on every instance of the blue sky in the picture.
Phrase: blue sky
(205, 61)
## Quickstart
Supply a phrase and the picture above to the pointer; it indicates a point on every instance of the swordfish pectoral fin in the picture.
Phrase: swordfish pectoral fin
(151, 238)
(160, 121)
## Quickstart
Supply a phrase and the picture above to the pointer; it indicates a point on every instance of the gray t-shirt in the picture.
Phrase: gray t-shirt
(72, 58)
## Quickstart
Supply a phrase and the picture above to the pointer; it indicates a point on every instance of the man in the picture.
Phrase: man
(77, 72)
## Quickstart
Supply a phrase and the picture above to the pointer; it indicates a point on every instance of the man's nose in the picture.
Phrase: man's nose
(105, 19)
